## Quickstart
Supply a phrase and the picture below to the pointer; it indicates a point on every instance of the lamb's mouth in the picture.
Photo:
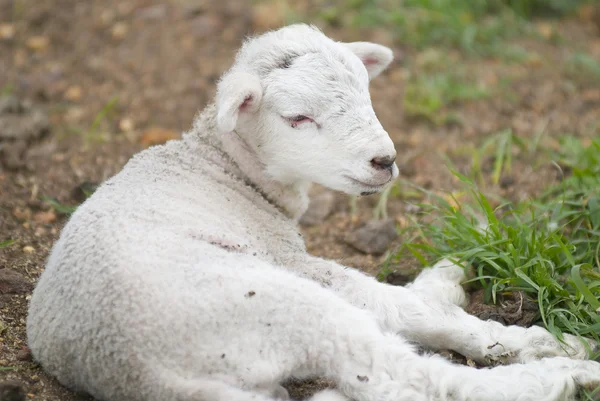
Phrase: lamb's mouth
(370, 188)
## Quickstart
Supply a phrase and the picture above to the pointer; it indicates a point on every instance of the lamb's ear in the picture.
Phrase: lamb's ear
(237, 92)
(375, 57)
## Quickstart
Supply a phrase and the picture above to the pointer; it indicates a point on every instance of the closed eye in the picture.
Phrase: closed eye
(295, 121)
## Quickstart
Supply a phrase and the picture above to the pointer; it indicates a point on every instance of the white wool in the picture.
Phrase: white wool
(184, 277)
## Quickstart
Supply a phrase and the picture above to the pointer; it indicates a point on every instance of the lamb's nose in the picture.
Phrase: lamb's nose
(383, 163)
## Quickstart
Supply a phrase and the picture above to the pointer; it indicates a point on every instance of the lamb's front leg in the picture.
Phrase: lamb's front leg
(425, 319)
(395, 373)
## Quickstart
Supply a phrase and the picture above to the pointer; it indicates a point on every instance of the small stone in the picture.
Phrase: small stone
(545, 29)
(22, 214)
(40, 231)
(38, 43)
(506, 181)
(24, 354)
(319, 209)
(12, 282)
(45, 217)
(74, 93)
(7, 31)
(126, 125)
(107, 16)
(28, 249)
(22, 125)
(119, 30)
(156, 136)
(374, 237)
(11, 391)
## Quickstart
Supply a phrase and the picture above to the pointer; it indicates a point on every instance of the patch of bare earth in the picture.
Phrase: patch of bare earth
(143, 68)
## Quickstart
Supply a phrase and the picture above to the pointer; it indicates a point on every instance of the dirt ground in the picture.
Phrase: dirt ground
(149, 66)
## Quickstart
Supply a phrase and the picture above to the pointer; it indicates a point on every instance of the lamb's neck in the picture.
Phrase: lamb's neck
(241, 161)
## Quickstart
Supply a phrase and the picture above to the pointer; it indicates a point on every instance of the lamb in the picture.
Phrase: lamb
(185, 278)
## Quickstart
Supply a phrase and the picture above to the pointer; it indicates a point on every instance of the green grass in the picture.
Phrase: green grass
(6, 243)
(429, 95)
(104, 116)
(478, 27)
(61, 208)
(584, 66)
(7, 89)
(547, 247)
(483, 28)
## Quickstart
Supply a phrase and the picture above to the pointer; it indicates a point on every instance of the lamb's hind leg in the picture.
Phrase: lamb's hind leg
(272, 325)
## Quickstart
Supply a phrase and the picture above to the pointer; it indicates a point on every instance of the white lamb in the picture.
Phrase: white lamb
(184, 277)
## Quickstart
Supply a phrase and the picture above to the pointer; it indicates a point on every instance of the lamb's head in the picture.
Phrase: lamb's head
(301, 103)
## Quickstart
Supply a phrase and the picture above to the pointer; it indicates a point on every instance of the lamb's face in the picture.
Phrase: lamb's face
(307, 112)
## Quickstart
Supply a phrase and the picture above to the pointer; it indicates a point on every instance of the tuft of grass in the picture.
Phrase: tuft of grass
(93, 133)
(477, 27)
(6, 243)
(548, 247)
(581, 64)
(59, 207)
(7, 89)
(501, 146)
(428, 95)
(545, 8)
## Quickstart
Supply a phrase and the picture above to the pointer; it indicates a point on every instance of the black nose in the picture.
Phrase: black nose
(383, 163)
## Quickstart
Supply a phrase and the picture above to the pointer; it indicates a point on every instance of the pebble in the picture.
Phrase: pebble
(12, 282)
(38, 43)
(11, 391)
(74, 93)
(119, 30)
(126, 125)
(45, 217)
(24, 354)
(374, 237)
(28, 249)
(22, 214)
(7, 31)
(23, 125)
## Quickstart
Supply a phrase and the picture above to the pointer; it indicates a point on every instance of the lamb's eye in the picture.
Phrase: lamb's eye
(297, 120)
